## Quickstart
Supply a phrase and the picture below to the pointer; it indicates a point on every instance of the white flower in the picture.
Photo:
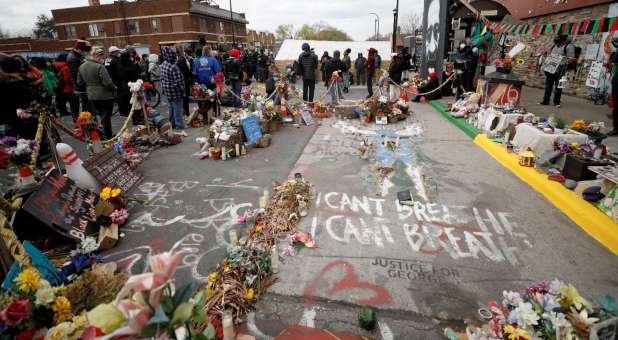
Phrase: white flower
(88, 245)
(45, 294)
(555, 286)
(557, 319)
(511, 298)
(583, 316)
(526, 316)
(383, 99)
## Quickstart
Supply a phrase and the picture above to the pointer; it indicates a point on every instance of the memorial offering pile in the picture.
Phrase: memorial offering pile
(383, 111)
(553, 310)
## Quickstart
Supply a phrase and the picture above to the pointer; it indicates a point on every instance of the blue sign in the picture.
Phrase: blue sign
(251, 128)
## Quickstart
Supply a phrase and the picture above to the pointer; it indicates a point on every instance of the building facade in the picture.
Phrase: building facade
(145, 23)
(256, 39)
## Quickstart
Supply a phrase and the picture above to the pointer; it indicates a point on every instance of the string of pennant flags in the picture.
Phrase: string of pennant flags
(587, 26)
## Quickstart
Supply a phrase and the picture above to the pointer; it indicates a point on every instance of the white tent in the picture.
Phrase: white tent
(291, 49)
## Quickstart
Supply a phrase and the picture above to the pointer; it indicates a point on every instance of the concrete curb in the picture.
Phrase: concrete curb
(593, 221)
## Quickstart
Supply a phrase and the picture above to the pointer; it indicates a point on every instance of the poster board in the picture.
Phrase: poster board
(109, 168)
(64, 207)
(594, 75)
(251, 128)
(552, 62)
(307, 117)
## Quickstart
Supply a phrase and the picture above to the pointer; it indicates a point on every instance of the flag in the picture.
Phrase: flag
(613, 27)
(549, 28)
(595, 28)
(557, 29)
(584, 25)
(484, 30)
(536, 30)
(604, 25)
(590, 26)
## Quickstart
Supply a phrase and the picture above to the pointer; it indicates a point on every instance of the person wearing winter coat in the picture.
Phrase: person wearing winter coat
(323, 62)
(346, 75)
(15, 93)
(93, 76)
(75, 59)
(187, 76)
(361, 74)
(429, 90)
(154, 72)
(370, 67)
(233, 74)
(394, 73)
(64, 91)
(308, 64)
(128, 71)
(335, 68)
(173, 86)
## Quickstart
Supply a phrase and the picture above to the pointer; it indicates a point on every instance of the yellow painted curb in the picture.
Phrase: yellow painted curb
(589, 218)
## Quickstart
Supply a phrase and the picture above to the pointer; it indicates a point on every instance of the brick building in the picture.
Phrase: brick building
(257, 39)
(533, 12)
(145, 23)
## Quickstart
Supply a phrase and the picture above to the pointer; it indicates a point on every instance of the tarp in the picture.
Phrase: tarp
(291, 49)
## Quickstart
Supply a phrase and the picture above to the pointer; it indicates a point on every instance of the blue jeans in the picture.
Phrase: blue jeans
(237, 88)
(176, 115)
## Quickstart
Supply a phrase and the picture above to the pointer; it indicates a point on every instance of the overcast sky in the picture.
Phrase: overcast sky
(351, 16)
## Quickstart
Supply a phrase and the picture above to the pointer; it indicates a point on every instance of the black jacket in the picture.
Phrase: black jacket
(114, 70)
(128, 72)
(308, 62)
(74, 61)
(335, 65)
(185, 69)
(431, 85)
(360, 64)
(233, 69)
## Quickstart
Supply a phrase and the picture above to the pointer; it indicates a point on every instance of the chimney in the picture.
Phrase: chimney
(94, 3)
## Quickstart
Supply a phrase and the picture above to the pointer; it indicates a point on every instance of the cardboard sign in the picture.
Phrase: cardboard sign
(64, 207)
(594, 75)
(382, 120)
(552, 63)
(307, 117)
(606, 330)
(109, 168)
(251, 128)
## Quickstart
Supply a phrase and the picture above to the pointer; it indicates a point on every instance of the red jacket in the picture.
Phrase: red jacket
(63, 70)
(370, 63)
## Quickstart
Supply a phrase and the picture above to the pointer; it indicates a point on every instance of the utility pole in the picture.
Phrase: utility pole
(376, 26)
(395, 17)
(233, 29)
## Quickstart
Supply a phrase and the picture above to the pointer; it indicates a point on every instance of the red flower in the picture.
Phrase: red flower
(4, 158)
(14, 313)
(26, 335)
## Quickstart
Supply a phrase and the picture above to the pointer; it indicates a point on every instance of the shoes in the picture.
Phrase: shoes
(557, 106)
(613, 133)
(543, 103)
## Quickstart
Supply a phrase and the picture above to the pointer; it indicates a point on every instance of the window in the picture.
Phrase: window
(203, 23)
(176, 24)
(154, 23)
(221, 27)
(134, 27)
(70, 29)
(93, 29)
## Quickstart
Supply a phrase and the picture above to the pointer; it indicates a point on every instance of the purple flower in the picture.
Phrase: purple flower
(8, 141)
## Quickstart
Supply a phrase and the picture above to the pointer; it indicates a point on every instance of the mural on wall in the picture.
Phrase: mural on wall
(434, 30)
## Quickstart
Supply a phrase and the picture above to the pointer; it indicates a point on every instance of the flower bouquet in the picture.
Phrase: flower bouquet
(201, 92)
(20, 154)
(88, 130)
(592, 129)
(553, 310)
(504, 65)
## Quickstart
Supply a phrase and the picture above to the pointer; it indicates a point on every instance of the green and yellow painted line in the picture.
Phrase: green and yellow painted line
(592, 220)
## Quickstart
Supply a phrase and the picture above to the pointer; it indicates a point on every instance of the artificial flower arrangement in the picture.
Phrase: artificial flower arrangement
(592, 129)
(320, 110)
(32, 112)
(87, 127)
(201, 92)
(116, 198)
(552, 310)
(20, 155)
(504, 65)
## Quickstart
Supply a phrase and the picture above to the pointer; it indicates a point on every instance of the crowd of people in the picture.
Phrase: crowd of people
(89, 78)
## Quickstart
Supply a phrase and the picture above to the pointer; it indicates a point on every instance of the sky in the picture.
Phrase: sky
(351, 16)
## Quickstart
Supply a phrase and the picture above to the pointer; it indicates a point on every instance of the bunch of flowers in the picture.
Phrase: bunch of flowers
(592, 129)
(553, 310)
(87, 127)
(112, 195)
(201, 92)
(19, 150)
(505, 63)
(33, 111)
(32, 304)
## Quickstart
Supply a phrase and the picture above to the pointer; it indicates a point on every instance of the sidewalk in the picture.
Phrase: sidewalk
(572, 108)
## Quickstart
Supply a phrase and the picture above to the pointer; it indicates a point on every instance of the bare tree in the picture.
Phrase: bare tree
(285, 32)
(410, 23)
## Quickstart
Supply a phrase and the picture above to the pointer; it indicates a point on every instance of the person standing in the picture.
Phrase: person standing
(128, 71)
(614, 60)
(370, 67)
(566, 51)
(361, 74)
(346, 75)
(64, 92)
(173, 86)
(233, 73)
(187, 76)
(100, 88)
(74, 60)
(394, 73)
(262, 62)
(207, 68)
(15, 93)
(323, 62)
(308, 64)
(336, 68)
(154, 72)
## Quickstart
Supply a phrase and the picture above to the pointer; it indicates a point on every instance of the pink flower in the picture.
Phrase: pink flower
(120, 216)
(497, 62)
(16, 312)
(242, 219)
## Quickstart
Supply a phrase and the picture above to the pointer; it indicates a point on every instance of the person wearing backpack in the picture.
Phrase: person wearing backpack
(562, 48)
(64, 91)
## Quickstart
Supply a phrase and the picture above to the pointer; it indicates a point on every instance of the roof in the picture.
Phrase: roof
(200, 8)
(522, 9)
(291, 48)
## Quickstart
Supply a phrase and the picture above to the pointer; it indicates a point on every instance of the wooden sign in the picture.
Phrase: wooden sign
(109, 168)
(251, 128)
(307, 117)
(64, 207)
(552, 62)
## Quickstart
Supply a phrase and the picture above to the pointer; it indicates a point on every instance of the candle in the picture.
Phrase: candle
(274, 260)
(237, 150)
(233, 237)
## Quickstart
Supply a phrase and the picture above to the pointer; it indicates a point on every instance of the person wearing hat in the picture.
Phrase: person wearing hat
(361, 75)
(100, 88)
(112, 64)
(430, 90)
(562, 48)
(75, 59)
(613, 59)
(346, 75)
(308, 64)
(323, 62)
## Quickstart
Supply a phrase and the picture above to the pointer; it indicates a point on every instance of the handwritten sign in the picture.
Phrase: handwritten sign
(594, 75)
(64, 207)
(251, 128)
(307, 117)
(552, 63)
(109, 168)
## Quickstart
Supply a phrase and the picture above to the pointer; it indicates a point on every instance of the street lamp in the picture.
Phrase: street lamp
(376, 26)
(395, 17)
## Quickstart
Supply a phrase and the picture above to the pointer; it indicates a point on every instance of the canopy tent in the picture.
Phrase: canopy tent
(291, 49)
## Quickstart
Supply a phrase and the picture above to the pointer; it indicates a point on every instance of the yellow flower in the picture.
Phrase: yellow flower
(28, 280)
(516, 333)
(105, 193)
(250, 294)
(62, 309)
(211, 279)
(59, 332)
(85, 115)
(227, 269)
(569, 296)
(259, 228)
(116, 192)
(79, 321)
